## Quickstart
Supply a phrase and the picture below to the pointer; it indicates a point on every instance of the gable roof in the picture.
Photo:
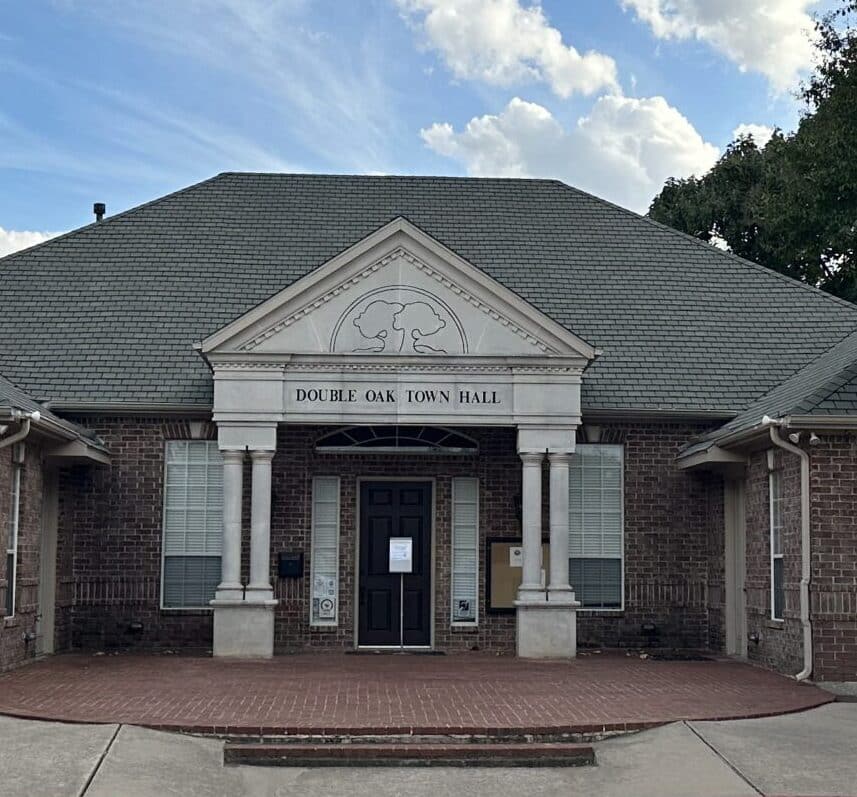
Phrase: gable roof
(109, 313)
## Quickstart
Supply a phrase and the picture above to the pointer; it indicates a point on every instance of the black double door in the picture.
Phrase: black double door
(394, 509)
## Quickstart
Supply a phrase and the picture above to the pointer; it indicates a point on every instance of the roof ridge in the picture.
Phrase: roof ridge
(710, 247)
(467, 178)
(833, 385)
(835, 382)
(109, 219)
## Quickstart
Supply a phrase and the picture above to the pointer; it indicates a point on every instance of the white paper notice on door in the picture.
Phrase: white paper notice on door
(401, 555)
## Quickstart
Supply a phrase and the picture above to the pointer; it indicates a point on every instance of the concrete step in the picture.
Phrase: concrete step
(409, 754)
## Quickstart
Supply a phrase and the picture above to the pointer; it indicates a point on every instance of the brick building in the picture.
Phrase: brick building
(279, 412)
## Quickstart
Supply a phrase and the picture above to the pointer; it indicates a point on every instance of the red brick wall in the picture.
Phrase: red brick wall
(111, 538)
(14, 650)
(670, 518)
(109, 550)
(833, 590)
(779, 644)
(833, 587)
(716, 545)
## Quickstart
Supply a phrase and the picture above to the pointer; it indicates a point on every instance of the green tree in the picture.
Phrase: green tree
(791, 205)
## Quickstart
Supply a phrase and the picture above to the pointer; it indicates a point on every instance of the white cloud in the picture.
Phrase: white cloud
(504, 43)
(761, 134)
(13, 240)
(623, 150)
(330, 97)
(766, 36)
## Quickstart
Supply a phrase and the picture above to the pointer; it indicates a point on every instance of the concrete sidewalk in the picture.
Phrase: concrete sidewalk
(811, 753)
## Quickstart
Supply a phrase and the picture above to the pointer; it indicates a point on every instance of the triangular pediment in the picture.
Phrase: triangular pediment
(398, 292)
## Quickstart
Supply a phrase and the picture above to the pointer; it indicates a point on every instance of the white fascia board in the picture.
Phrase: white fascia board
(821, 422)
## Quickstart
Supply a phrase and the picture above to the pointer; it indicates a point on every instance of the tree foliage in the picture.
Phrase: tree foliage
(792, 204)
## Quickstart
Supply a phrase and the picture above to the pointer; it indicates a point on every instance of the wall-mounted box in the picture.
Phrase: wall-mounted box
(290, 565)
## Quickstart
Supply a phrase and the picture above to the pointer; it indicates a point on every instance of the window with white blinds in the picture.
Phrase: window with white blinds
(776, 500)
(193, 523)
(465, 550)
(596, 525)
(324, 552)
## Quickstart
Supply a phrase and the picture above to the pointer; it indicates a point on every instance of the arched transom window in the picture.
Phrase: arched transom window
(414, 439)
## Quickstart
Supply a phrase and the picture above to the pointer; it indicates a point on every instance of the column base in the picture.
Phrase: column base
(229, 592)
(530, 594)
(243, 630)
(546, 630)
(564, 595)
(263, 594)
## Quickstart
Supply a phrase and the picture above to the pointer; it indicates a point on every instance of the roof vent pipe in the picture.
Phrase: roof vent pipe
(99, 209)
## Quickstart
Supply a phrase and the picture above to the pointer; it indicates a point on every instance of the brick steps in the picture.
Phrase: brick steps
(425, 753)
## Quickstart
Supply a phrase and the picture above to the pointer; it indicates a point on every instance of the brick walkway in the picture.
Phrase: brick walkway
(335, 693)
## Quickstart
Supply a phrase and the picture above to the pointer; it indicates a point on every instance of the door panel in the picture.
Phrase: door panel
(394, 509)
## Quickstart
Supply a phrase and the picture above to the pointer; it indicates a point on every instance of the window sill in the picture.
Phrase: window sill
(188, 610)
(775, 625)
(464, 627)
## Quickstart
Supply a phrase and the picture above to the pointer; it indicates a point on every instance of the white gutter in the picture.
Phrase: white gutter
(26, 419)
(804, 541)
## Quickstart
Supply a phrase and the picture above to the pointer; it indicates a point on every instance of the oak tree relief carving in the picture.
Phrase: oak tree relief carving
(399, 327)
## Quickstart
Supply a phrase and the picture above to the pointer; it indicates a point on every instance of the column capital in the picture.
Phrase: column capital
(559, 457)
(532, 457)
(233, 455)
(261, 454)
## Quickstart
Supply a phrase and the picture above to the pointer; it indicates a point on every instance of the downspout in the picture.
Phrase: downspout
(805, 547)
(26, 419)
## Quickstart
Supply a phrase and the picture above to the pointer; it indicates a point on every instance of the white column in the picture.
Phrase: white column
(531, 497)
(558, 587)
(230, 587)
(259, 588)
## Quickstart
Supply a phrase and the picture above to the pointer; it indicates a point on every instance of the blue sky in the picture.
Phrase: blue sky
(122, 102)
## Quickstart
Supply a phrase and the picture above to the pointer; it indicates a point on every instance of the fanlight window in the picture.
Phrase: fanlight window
(416, 439)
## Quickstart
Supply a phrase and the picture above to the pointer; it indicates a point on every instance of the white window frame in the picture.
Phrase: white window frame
(13, 533)
(211, 443)
(621, 606)
(314, 623)
(475, 621)
(776, 498)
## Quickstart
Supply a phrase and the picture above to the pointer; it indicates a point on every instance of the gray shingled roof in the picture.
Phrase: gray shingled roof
(108, 313)
(12, 397)
(827, 386)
